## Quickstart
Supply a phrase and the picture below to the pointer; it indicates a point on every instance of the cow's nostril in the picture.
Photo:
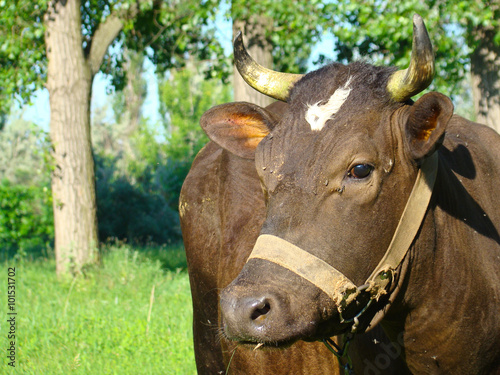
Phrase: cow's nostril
(261, 310)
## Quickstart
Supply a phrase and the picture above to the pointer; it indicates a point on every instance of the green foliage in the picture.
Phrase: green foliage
(297, 25)
(146, 156)
(128, 211)
(24, 153)
(26, 220)
(167, 32)
(184, 96)
(382, 30)
(100, 322)
(164, 30)
(139, 173)
(22, 50)
(129, 205)
(128, 102)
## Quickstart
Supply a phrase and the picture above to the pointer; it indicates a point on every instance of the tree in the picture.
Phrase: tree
(465, 34)
(278, 35)
(25, 216)
(127, 104)
(24, 153)
(140, 169)
(184, 96)
(128, 155)
(63, 44)
(254, 29)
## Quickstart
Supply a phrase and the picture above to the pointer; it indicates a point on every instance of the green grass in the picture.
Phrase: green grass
(97, 323)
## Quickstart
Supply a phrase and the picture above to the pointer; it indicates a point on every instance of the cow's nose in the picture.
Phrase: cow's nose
(259, 309)
(248, 318)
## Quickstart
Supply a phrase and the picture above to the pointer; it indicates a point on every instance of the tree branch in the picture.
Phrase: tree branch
(106, 32)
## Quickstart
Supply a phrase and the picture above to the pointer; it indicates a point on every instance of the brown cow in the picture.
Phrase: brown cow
(378, 209)
(222, 210)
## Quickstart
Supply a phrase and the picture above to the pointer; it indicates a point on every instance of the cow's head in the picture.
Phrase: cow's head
(336, 170)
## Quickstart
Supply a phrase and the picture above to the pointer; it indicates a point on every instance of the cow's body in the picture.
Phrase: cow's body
(337, 169)
(222, 210)
(452, 295)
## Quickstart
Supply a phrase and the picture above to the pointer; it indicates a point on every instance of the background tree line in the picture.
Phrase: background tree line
(120, 178)
(140, 166)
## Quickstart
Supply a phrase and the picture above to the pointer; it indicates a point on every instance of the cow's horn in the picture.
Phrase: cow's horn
(406, 83)
(274, 84)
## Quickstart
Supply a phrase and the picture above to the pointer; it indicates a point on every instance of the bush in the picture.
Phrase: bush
(126, 212)
(26, 219)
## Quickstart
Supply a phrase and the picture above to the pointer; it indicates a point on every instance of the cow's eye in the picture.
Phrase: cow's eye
(360, 171)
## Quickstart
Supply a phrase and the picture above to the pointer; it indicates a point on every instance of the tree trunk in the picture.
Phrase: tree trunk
(69, 82)
(254, 32)
(485, 71)
(135, 90)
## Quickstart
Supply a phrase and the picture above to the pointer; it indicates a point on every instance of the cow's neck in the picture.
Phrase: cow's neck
(445, 290)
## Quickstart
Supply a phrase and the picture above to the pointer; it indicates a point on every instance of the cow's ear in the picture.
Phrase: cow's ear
(426, 123)
(238, 127)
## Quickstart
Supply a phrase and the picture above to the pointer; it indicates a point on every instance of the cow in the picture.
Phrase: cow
(222, 209)
(380, 211)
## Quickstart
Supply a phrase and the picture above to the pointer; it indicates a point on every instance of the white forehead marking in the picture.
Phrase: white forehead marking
(317, 115)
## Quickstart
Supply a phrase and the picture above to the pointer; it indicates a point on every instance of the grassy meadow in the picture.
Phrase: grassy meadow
(103, 321)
